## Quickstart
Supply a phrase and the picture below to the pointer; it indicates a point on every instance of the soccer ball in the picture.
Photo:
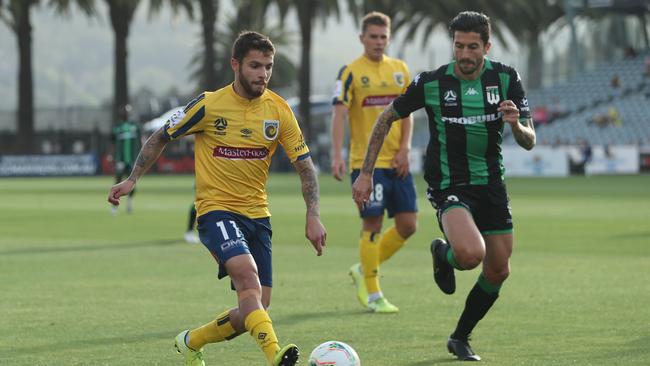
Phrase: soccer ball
(334, 353)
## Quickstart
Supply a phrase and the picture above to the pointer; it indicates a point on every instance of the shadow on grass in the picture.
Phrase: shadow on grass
(79, 344)
(640, 345)
(295, 318)
(89, 248)
(633, 235)
(435, 361)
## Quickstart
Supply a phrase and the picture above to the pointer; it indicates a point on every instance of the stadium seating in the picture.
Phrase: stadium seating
(596, 111)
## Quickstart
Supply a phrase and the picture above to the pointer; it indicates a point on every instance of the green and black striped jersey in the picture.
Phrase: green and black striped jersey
(465, 128)
(126, 140)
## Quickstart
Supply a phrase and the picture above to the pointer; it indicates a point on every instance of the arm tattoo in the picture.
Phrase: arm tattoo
(309, 182)
(148, 154)
(525, 136)
(379, 132)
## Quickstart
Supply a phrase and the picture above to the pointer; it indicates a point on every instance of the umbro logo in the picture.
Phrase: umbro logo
(471, 91)
(246, 132)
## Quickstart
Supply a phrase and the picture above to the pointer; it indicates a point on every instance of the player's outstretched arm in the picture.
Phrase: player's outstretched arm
(362, 186)
(149, 153)
(314, 229)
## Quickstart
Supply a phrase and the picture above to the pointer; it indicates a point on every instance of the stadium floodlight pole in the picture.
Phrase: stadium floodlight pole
(570, 10)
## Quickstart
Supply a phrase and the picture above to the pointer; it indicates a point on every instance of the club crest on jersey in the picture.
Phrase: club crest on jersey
(399, 78)
(492, 94)
(271, 128)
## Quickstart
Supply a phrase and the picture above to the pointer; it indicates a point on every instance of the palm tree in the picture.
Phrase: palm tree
(209, 11)
(307, 12)
(398, 11)
(527, 20)
(250, 14)
(207, 74)
(121, 14)
(16, 14)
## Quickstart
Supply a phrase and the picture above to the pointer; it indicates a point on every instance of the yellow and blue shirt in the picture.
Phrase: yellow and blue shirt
(366, 87)
(235, 139)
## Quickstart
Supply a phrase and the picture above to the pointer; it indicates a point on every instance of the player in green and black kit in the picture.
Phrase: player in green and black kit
(126, 137)
(467, 102)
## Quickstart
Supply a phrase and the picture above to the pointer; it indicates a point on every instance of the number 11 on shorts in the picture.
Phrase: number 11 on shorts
(224, 232)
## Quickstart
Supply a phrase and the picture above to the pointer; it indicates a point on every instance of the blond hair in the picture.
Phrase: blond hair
(375, 18)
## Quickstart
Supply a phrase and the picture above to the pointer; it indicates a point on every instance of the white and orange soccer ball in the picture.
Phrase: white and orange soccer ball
(334, 353)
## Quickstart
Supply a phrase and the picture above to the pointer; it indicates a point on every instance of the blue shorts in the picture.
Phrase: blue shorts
(227, 234)
(390, 193)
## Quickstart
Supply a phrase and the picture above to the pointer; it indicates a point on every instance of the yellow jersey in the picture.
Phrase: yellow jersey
(235, 139)
(366, 87)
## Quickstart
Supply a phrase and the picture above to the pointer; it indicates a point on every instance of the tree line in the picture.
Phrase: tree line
(524, 19)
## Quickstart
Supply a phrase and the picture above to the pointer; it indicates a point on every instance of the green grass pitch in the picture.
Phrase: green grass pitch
(81, 287)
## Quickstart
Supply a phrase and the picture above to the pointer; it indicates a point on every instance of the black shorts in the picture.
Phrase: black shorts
(488, 204)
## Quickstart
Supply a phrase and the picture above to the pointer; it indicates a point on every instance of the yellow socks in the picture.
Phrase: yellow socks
(220, 329)
(390, 243)
(259, 325)
(369, 254)
(217, 330)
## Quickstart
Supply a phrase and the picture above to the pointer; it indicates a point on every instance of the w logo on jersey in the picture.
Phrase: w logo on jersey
(492, 94)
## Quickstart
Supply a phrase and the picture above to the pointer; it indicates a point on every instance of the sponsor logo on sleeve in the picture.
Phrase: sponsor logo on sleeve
(417, 78)
(175, 118)
(300, 146)
(338, 87)
(271, 127)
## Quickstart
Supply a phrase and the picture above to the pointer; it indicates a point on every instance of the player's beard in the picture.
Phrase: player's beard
(248, 86)
(468, 68)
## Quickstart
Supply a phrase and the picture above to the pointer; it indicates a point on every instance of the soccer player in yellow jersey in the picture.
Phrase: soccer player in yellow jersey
(237, 129)
(363, 89)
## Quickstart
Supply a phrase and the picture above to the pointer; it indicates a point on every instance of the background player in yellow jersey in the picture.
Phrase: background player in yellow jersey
(237, 129)
(363, 89)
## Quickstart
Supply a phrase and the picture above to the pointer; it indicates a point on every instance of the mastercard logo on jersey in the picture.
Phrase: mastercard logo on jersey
(271, 128)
